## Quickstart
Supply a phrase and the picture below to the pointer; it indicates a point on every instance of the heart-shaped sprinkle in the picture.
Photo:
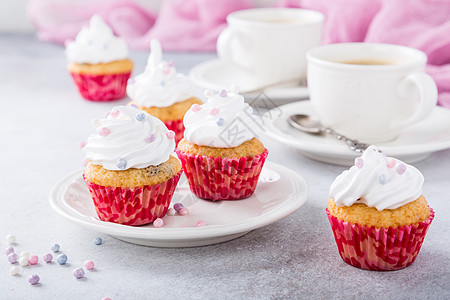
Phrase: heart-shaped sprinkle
(196, 107)
(104, 131)
(220, 122)
(213, 111)
(114, 114)
(150, 138)
(121, 163)
(391, 163)
(223, 93)
(134, 105)
(170, 134)
(140, 117)
(401, 169)
(359, 162)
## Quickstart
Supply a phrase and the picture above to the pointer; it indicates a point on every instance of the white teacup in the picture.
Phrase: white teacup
(370, 92)
(270, 44)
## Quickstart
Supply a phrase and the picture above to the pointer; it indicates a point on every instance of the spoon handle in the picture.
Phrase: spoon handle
(352, 144)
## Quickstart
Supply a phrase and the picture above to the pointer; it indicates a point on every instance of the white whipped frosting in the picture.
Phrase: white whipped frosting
(159, 85)
(377, 181)
(96, 44)
(129, 138)
(224, 121)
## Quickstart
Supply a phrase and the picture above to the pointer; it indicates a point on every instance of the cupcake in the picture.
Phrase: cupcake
(131, 172)
(220, 153)
(162, 92)
(377, 212)
(98, 62)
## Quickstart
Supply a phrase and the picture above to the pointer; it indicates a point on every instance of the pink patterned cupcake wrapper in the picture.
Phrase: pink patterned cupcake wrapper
(217, 178)
(379, 249)
(133, 206)
(177, 127)
(101, 87)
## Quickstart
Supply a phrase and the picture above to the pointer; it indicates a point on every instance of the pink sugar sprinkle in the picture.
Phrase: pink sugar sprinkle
(114, 114)
(104, 131)
(195, 107)
(184, 211)
(170, 134)
(201, 223)
(213, 111)
(359, 162)
(391, 163)
(89, 264)
(158, 223)
(33, 260)
(82, 144)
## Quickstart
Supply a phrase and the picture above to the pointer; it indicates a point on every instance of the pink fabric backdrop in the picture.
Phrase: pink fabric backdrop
(194, 25)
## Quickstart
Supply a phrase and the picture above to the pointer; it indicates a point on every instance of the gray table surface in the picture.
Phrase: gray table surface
(42, 122)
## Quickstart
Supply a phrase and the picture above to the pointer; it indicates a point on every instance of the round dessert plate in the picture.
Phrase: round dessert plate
(279, 193)
(216, 75)
(415, 143)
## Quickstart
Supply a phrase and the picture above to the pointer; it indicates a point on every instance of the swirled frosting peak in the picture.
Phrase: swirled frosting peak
(377, 181)
(224, 121)
(96, 44)
(159, 85)
(129, 138)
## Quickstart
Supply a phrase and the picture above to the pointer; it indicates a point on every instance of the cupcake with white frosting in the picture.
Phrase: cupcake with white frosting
(98, 62)
(131, 172)
(162, 92)
(220, 153)
(377, 212)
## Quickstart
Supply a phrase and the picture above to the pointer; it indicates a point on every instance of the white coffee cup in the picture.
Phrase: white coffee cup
(358, 96)
(270, 44)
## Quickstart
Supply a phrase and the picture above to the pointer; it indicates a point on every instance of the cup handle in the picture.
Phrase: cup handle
(225, 51)
(428, 97)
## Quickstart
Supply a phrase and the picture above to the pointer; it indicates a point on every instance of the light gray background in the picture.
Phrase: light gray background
(42, 122)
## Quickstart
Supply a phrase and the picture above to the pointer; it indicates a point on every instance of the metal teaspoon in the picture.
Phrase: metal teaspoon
(310, 125)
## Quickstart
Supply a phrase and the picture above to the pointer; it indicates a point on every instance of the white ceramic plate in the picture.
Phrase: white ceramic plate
(280, 192)
(217, 75)
(414, 144)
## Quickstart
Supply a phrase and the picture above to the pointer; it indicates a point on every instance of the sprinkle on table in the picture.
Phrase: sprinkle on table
(78, 273)
(33, 260)
(61, 259)
(9, 250)
(89, 265)
(34, 279)
(55, 248)
(10, 239)
(48, 257)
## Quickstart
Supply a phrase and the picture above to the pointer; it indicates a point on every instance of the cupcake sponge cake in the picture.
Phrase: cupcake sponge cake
(131, 173)
(98, 62)
(220, 152)
(162, 92)
(377, 212)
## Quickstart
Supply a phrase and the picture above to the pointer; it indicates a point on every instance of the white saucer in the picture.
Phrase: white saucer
(280, 192)
(414, 144)
(217, 75)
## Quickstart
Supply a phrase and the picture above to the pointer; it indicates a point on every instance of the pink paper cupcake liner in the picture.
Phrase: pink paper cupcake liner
(379, 249)
(101, 87)
(177, 127)
(217, 178)
(133, 206)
